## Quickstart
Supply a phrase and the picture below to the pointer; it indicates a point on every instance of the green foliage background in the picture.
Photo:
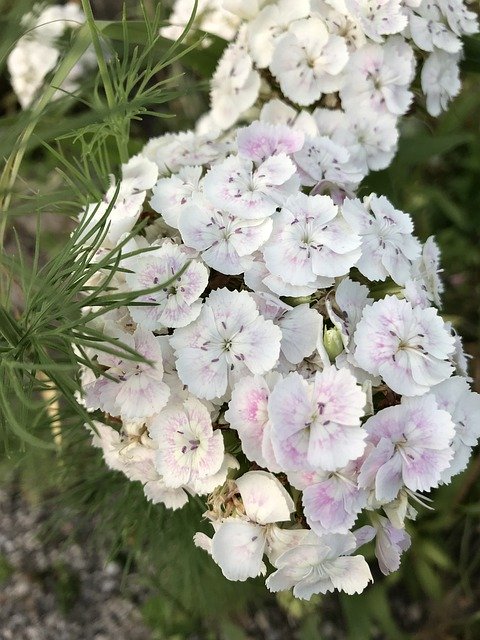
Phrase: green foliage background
(57, 157)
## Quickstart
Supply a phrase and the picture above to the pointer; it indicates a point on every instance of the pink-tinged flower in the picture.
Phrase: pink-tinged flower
(310, 241)
(137, 389)
(390, 544)
(249, 192)
(320, 565)
(248, 414)
(316, 425)
(238, 544)
(228, 340)
(222, 238)
(408, 347)
(455, 397)
(412, 448)
(188, 447)
(171, 195)
(323, 160)
(351, 298)
(261, 140)
(334, 500)
(179, 302)
(388, 246)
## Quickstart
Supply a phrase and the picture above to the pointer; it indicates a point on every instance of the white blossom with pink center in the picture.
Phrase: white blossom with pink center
(388, 246)
(455, 396)
(310, 242)
(188, 448)
(227, 341)
(412, 448)
(261, 140)
(178, 303)
(333, 500)
(223, 239)
(320, 565)
(408, 347)
(133, 389)
(250, 192)
(248, 414)
(316, 424)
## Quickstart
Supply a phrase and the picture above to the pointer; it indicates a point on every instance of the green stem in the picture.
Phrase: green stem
(122, 140)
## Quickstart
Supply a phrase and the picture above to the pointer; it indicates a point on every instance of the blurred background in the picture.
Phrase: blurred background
(84, 557)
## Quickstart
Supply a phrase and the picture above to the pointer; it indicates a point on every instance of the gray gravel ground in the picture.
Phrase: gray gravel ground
(55, 591)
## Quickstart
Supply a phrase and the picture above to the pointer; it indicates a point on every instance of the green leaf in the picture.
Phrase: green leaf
(471, 54)
(421, 147)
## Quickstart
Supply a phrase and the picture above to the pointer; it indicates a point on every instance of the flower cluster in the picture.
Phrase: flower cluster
(296, 370)
(343, 69)
(37, 53)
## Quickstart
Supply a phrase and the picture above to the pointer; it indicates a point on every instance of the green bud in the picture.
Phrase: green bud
(333, 343)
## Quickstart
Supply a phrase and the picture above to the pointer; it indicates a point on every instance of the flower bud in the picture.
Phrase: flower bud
(332, 341)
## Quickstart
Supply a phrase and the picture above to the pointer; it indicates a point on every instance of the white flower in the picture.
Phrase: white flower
(228, 340)
(188, 448)
(340, 21)
(390, 543)
(310, 241)
(307, 62)
(454, 395)
(248, 414)
(209, 17)
(350, 298)
(322, 159)
(223, 239)
(378, 77)
(388, 246)
(137, 389)
(316, 423)
(268, 28)
(238, 544)
(411, 448)
(235, 85)
(178, 303)
(378, 18)
(319, 565)
(208, 484)
(440, 80)
(122, 204)
(333, 500)
(371, 138)
(300, 326)
(171, 195)
(260, 140)
(429, 32)
(246, 191)
(28, 64)
(460, 20)
(425, 285)
(409, 347)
